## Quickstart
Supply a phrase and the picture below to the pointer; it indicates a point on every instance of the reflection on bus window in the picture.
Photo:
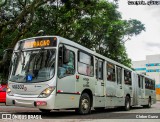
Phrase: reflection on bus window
(85, 64)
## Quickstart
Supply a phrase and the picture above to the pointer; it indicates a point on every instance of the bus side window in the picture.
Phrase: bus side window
(152, 85)
(85, 64)
(146, 83)
(100, 70)
(96, 68)
(111, 72)
(60, 58)
(119, 75)
(127, 77)
(66, 68)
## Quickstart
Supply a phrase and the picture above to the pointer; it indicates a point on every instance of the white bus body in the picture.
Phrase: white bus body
(38, 78)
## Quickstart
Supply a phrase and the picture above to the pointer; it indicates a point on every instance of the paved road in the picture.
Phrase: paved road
(117, 113)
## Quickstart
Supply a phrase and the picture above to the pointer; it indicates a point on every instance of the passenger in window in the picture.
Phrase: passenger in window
(109, 76)
(66, 68)
(61, 69)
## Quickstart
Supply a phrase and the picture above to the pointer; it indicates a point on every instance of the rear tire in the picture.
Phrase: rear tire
(84, 104)
(148, 105)
(127, 104)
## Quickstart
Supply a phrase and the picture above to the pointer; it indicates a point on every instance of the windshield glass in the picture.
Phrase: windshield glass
(33, 66)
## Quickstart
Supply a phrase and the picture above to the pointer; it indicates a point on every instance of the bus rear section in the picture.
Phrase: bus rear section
(150, 95)
(144, 91)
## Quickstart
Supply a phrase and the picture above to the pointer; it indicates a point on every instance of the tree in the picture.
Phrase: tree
(16, 18)
(95, 24)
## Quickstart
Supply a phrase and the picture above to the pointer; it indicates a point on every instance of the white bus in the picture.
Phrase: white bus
(51, 72)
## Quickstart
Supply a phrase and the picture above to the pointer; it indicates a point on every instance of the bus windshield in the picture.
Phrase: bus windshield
(33, 66)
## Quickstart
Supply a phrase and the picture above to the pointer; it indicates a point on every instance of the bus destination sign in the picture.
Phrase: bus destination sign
(40, 42)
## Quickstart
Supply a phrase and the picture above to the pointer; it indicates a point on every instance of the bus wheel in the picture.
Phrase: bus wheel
(45, 110)
(149, 103)
(127, 104)
(84, 104)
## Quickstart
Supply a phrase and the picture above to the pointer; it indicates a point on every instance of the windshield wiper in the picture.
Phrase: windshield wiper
(23, 62)
(27, 70)
(36, 61)
(51, 59)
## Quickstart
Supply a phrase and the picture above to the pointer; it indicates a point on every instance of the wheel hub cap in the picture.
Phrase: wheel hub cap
(85, 104)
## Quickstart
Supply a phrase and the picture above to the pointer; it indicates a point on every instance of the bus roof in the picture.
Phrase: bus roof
(76, 45)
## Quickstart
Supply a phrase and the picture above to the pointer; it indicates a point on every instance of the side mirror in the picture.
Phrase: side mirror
(66, 55)
(7, 54)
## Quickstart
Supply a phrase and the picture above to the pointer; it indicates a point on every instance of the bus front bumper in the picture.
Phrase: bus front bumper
(41, 103)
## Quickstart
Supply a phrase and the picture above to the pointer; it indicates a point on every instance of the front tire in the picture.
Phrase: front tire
(84, 104)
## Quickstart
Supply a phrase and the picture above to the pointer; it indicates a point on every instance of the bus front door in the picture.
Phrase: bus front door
(66, 78)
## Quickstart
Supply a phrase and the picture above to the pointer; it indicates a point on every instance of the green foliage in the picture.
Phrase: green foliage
(95, 24)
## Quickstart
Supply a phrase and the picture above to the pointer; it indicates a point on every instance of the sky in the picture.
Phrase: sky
(148, 42)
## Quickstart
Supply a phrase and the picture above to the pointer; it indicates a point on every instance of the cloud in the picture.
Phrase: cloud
(155, 45)
(148, 42)
(154, 9)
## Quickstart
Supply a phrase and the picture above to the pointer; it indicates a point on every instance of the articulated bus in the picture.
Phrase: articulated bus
(51, 72)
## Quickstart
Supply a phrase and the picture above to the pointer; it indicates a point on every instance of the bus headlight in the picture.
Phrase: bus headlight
(46, 92)
(8, 91)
